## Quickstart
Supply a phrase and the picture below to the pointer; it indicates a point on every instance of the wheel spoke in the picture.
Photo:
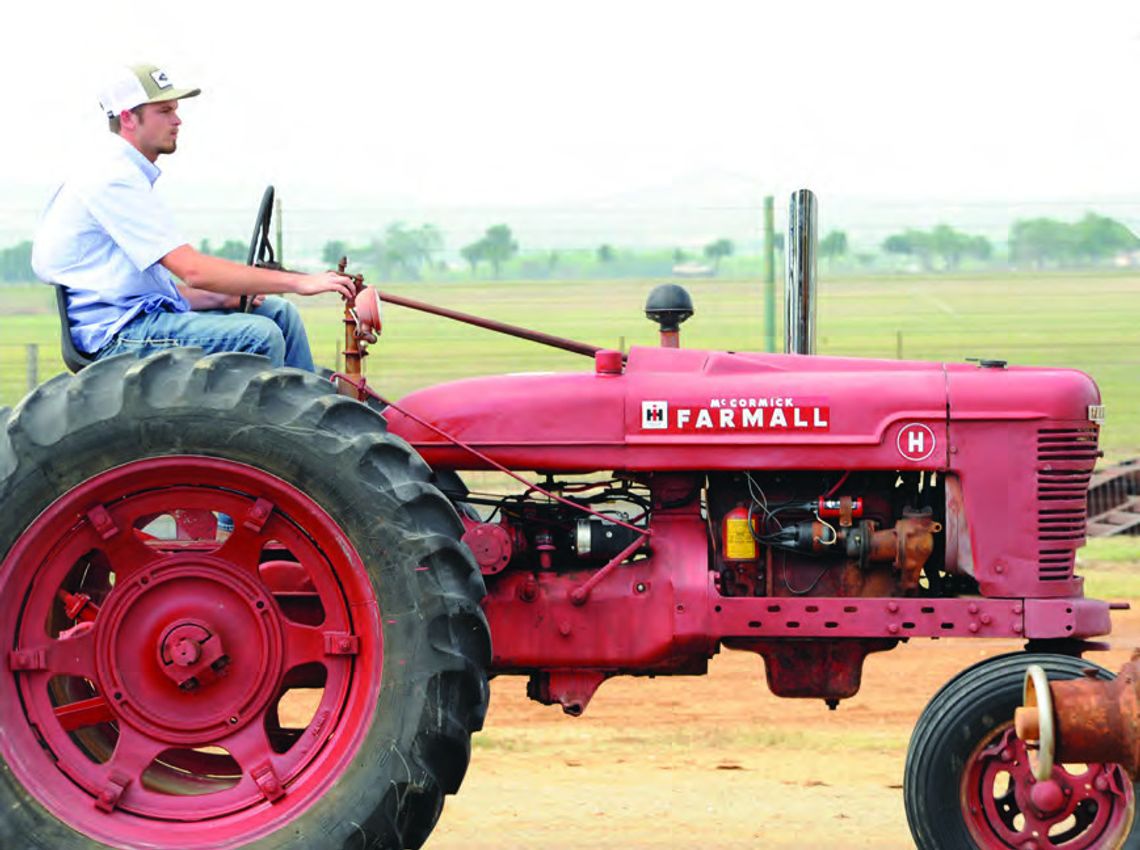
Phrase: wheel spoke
(1007, 807)
(72, 656)
(242, 549)
(249, 745)
(251, 748)
(303, 645)
(134, 753)
(1102, 789)
(1035, 829)
(125, 549)
(245, 543)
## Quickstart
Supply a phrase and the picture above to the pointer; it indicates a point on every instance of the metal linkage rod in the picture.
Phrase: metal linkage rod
(492, 325)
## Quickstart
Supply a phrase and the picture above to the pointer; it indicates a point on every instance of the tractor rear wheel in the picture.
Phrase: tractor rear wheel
(969, 780)
(308, 680)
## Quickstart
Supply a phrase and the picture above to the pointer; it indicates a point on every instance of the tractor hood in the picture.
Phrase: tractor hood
(679, 409)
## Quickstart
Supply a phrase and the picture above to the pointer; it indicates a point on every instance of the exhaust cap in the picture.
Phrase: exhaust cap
(669, 305)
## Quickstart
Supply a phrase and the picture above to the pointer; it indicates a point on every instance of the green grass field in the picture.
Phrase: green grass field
(1085, 321)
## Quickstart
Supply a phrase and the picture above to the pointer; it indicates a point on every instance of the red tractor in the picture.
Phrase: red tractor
(246, 610)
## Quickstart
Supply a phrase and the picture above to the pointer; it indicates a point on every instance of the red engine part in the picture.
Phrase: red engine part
(738, 536)
(843, 507)
(491, 546)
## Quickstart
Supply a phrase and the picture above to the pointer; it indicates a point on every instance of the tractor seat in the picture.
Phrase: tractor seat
(73, 358)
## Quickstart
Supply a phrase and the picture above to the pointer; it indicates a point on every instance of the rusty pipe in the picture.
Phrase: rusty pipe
(1087, 720)
(492, 325)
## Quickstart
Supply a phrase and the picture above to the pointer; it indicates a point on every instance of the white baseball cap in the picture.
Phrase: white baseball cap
(128, 87)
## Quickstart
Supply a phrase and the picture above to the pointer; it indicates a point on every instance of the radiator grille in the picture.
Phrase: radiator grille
(1065, 460)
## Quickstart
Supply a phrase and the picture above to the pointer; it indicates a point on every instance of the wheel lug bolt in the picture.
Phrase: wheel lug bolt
(190, 684)
(1101, 783)
(1006, 755)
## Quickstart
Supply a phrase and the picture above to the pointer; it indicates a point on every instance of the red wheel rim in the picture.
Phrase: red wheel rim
(1078, 808)
(178, 691)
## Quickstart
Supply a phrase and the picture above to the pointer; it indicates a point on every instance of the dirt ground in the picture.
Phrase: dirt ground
(714, 762)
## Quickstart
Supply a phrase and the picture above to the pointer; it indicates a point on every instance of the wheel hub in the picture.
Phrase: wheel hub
(191, 655)
(1048, 797)
(213, 629)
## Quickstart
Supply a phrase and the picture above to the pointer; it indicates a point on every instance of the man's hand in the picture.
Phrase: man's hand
(313, 284)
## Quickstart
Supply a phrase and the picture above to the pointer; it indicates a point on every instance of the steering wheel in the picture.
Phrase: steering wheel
(260, 245)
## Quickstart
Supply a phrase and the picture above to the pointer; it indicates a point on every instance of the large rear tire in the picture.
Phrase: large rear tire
(308, 682)
(969, 779)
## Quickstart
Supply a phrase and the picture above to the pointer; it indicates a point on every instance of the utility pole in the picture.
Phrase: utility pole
(769, 275)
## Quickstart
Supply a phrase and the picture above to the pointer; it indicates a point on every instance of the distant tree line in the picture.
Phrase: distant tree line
(1044, 241)
(231, 249)
(16, 263)
(497, 246)
(1037, 242)
(942, 242)
(406, 252)
(402, 251)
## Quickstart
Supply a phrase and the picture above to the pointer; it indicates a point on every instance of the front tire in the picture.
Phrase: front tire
(969, 779)
(310, 681)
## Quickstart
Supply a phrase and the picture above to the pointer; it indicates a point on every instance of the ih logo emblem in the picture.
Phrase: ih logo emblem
(654, 415)
(916, 442)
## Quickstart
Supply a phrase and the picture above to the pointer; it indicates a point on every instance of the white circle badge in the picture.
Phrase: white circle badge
(916, 442)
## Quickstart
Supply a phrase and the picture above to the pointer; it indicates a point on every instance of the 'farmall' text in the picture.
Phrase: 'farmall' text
(675, 418)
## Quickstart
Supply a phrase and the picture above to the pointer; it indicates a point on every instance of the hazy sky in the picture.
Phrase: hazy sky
(502, 103)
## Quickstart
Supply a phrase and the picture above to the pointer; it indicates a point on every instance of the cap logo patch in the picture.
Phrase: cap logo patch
(160, 79)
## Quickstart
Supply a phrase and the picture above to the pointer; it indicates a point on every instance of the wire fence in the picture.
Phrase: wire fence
(24, 367)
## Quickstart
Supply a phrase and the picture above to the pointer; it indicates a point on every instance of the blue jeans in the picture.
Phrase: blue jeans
(273, 329)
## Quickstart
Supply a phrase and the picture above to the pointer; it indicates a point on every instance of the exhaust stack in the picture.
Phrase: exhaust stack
(800, 286)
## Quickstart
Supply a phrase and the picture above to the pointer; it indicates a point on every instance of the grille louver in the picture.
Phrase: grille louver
(1065, 460)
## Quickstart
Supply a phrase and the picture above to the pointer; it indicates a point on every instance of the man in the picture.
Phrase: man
(134, 284)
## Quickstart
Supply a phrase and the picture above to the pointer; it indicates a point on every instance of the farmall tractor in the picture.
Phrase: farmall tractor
(258, 608)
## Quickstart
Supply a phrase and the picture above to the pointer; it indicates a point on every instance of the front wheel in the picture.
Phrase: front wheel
(236, 615)
(970, 783)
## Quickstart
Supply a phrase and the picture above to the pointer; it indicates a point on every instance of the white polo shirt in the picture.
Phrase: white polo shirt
(102, 236)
